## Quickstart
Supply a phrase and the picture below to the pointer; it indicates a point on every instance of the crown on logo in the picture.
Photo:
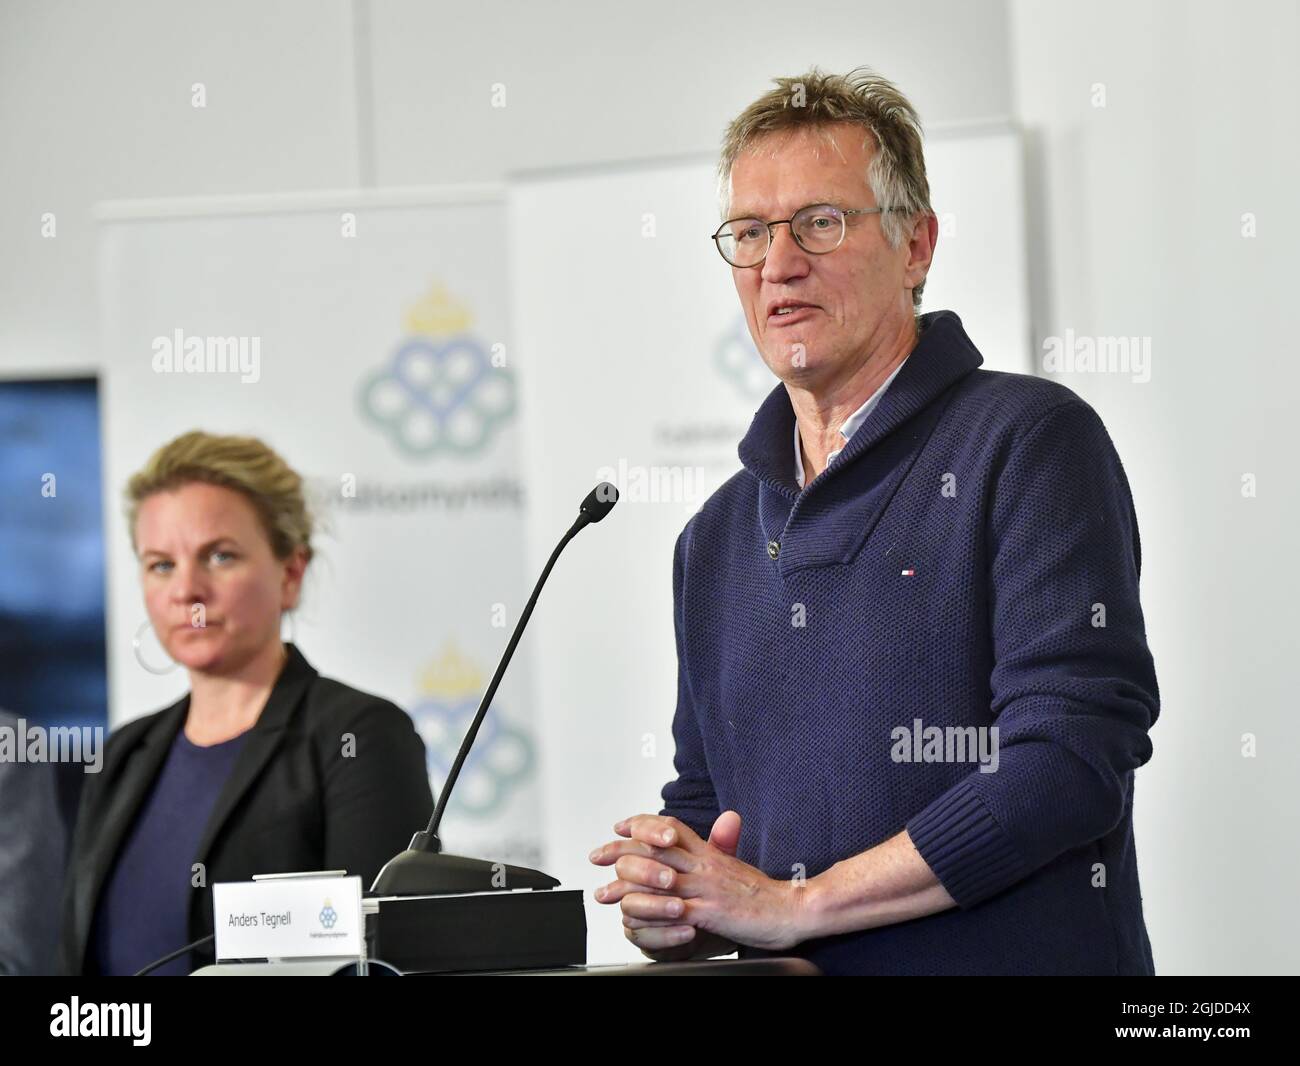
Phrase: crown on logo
(437, 314)
(450, 675)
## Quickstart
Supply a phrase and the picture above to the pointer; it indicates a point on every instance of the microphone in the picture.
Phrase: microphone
(599, 502)
(423, 869)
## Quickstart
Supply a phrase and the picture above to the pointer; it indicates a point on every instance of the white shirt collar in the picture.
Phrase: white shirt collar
(851, 426)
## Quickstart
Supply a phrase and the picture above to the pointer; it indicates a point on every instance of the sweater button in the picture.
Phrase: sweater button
(773, 548)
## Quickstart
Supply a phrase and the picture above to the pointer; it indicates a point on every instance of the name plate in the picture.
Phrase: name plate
(294, 918)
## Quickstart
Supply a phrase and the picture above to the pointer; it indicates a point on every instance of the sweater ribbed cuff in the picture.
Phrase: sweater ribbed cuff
(965, 847)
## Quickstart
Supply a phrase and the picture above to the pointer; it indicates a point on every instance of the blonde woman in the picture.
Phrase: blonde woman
(264, 766)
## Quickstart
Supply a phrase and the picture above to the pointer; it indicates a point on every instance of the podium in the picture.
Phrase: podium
(521, 932)
(523, 929)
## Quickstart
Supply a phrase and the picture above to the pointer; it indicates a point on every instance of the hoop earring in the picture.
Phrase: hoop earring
(135, 647)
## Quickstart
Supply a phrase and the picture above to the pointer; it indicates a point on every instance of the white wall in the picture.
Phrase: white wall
(325, 94)
(95, 105)
(1136, 222)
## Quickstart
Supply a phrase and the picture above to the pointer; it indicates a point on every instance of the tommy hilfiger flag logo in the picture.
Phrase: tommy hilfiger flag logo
(907, 573)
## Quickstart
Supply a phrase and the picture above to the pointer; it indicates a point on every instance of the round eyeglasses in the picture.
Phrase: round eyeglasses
(817, 229)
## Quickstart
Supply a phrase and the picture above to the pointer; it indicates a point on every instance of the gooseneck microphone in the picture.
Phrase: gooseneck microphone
(422, 869)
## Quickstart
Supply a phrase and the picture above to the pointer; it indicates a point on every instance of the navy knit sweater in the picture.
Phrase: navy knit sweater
(971, 559)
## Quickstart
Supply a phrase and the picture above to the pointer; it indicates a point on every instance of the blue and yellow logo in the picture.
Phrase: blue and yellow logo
(328, 915)
(502, 757)
(442, 391)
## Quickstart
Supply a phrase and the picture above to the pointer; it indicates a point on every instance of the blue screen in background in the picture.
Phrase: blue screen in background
(53, 667)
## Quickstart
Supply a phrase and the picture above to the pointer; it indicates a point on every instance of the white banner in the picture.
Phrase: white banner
(367, 341)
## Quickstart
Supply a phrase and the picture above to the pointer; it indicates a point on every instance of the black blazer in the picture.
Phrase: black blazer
(295, 799)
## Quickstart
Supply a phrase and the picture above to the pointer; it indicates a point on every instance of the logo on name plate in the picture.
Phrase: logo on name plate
(328, 916)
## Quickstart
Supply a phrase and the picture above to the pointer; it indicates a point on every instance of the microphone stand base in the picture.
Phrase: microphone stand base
(423, 873)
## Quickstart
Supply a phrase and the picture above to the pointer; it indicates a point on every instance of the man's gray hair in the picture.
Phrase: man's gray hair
(813, 101)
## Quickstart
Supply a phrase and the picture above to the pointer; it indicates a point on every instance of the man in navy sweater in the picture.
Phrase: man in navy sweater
(913, 676)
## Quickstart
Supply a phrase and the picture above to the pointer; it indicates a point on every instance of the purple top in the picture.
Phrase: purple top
(143, 911)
